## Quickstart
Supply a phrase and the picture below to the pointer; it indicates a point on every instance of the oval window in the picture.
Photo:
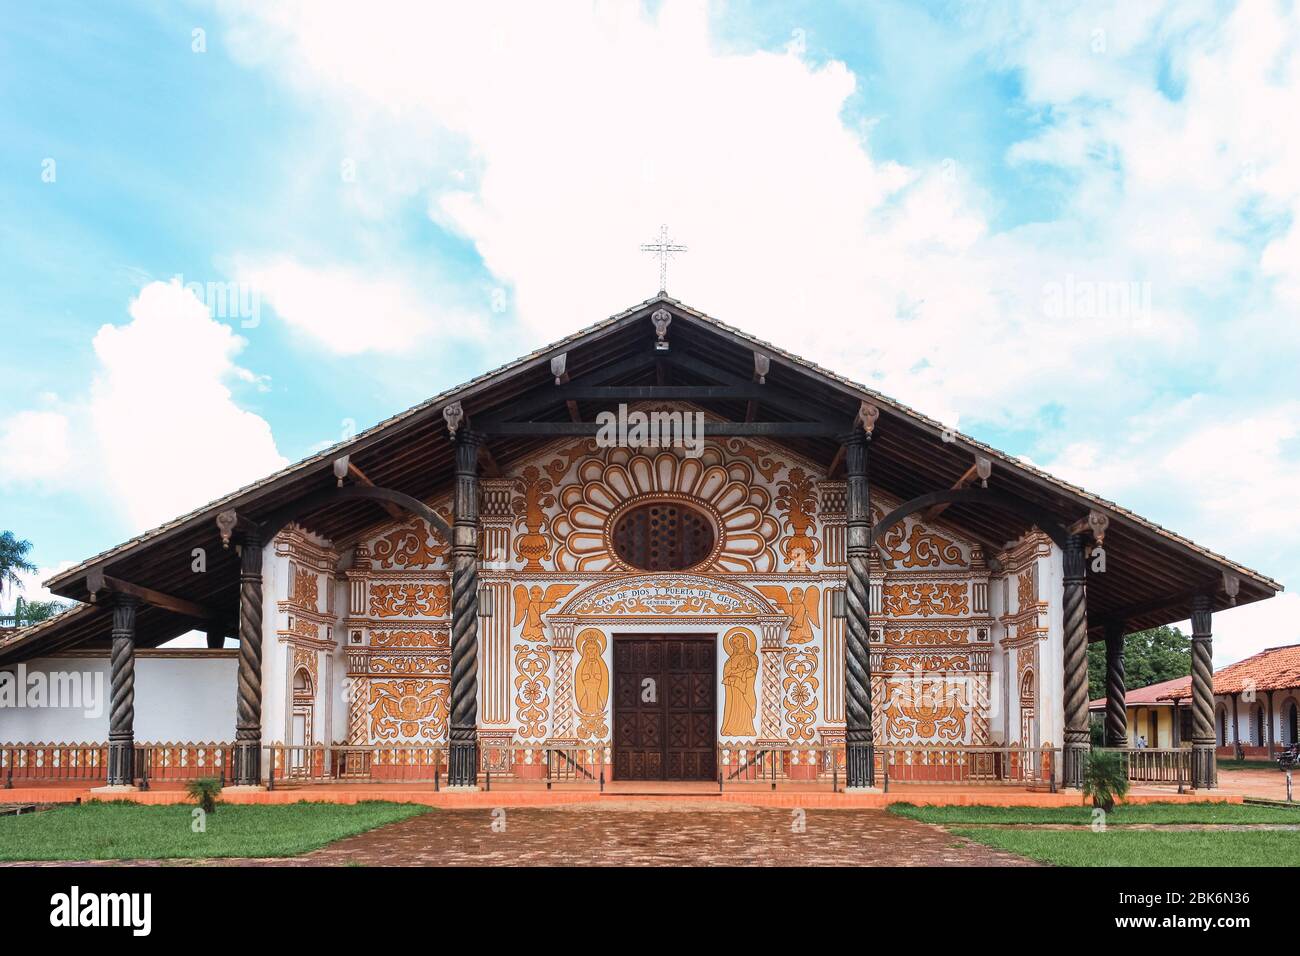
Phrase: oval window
(663, 536)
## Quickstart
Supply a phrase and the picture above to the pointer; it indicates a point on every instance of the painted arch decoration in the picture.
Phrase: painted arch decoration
(612, 481)
(667, 596)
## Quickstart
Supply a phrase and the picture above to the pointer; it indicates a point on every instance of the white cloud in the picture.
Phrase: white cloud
(348, 312)
(566, 134)
(168, 433)
(35, 447)
(30, 587)
(556, 138)
(1228, 474)
(159, 432)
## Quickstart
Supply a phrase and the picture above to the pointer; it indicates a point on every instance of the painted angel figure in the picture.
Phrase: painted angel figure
(532, 603)
(802, 604)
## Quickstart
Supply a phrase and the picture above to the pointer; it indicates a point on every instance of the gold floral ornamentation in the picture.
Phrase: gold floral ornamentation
(927, 711)
(419, 664)
(306, 588)
(409, 600)
(409, 708)
(796, 496)
(893, 663)
(767, 466)
(411, 545)
(531, 499)
(906, 600)
(532, 689)
(305, 658)
(800, 692)
(921, 549)
(1026, 589)
(925, 636)
(434, 639)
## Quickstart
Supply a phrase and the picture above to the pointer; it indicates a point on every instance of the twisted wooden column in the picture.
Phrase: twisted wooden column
(1203, 764)
(1075, 607)
(121, 715)
(860, 769)
(248, 705)
(1116, 688)
(463, 736)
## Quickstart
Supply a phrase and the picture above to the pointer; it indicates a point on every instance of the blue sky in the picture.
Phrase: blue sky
(1069, 230)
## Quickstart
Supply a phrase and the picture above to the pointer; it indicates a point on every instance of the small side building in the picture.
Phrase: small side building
(1256, 703)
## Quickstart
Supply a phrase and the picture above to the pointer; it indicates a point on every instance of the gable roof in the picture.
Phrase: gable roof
(911, 454)
(1277, 668)
(1156, 694)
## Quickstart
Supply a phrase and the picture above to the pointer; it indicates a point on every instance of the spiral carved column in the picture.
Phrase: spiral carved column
(248, 704)
(1075, 606)
(121, 715)
(860, 769)
(462, 768)
(1203, 762)
(1116, 688)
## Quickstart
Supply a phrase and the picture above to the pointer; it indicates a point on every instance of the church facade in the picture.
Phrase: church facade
(658, 549)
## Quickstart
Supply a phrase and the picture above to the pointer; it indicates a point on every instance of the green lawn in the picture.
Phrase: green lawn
(1137, 813)
(1172, 848)
(122, 831)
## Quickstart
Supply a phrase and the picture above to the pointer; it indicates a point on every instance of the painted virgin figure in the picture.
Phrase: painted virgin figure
(738, 676)
(591, 684)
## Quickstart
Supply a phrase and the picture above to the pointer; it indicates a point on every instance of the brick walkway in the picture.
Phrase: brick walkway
(654, 833)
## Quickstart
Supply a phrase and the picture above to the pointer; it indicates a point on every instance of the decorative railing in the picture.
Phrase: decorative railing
(1153, 765)
(52, 763)
(288, 765)
(571, 765)
(782, 763)
(967, 766)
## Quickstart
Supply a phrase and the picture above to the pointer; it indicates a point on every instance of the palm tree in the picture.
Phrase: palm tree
(13, 558)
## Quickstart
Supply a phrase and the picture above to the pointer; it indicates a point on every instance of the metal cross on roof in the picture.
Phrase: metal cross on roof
(663, 249)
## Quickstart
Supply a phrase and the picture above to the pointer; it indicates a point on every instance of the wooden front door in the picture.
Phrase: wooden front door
(665, 709)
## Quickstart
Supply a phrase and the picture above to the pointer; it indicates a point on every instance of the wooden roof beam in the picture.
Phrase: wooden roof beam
(364, 479)
(97, 582)
(980, 469)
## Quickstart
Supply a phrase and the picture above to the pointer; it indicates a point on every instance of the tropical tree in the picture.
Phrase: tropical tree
(13, 559)
(1161, 653)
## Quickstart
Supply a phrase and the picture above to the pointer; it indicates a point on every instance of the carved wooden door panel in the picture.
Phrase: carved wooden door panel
(665, 708)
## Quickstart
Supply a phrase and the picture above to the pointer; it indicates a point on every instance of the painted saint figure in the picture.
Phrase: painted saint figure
(738, 676)
(591, 684)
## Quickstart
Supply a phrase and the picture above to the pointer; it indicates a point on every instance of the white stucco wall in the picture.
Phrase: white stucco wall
(179, 696)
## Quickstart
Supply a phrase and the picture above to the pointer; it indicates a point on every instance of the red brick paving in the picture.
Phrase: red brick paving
(655, 833)
(622, 832)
